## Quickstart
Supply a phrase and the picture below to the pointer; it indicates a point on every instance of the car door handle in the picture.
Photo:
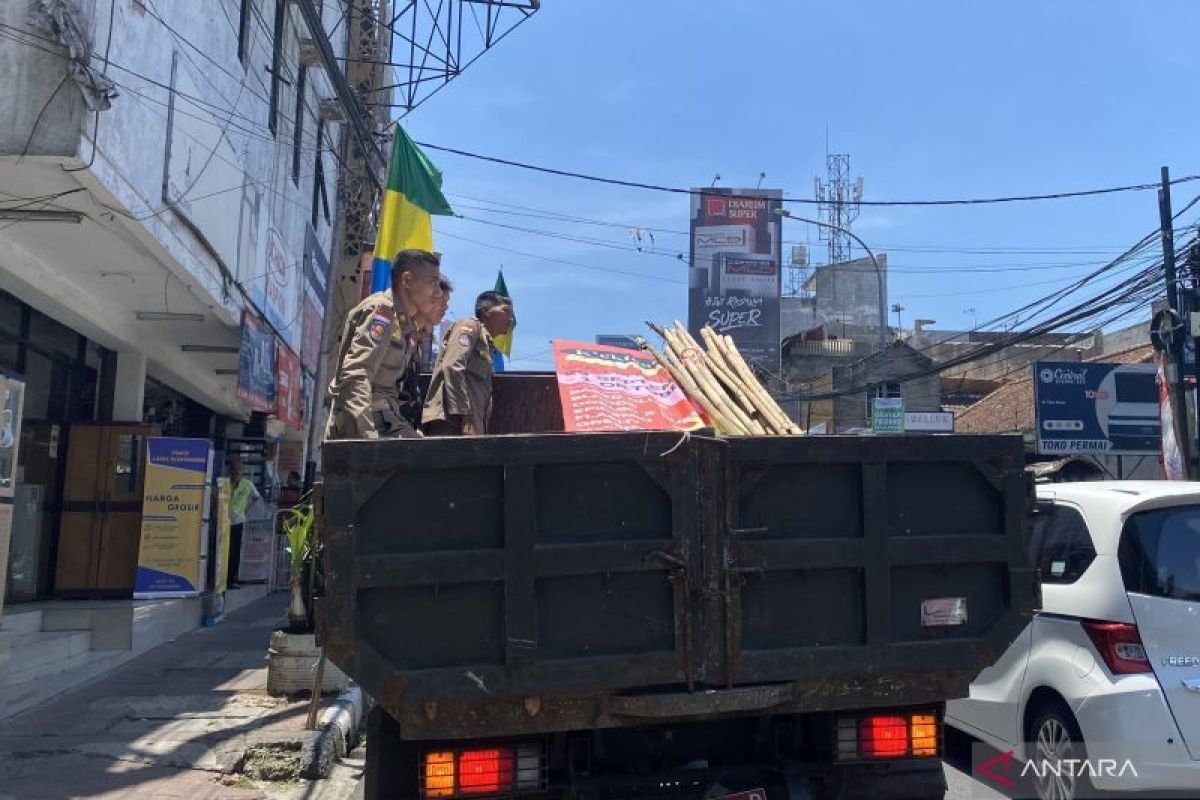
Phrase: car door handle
(1192, 684)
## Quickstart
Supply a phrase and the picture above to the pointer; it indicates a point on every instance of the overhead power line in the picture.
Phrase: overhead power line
(1137, 187)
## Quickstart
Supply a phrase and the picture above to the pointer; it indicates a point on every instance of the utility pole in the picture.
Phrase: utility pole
(1179, 396)
(358, 185)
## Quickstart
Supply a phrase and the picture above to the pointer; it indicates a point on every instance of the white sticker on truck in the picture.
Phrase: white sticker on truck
(944, 611)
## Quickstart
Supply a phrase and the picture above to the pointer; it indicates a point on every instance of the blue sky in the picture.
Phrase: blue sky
(930, 99)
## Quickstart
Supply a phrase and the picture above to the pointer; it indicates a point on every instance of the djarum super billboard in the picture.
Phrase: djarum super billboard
(734, 280)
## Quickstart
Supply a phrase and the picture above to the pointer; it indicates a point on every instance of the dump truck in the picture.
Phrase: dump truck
(655, 614)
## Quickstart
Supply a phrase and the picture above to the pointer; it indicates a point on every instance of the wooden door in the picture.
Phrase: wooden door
(79, 529)
(102, 508)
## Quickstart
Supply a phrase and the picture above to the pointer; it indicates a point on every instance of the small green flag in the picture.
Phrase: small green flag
(504, 341)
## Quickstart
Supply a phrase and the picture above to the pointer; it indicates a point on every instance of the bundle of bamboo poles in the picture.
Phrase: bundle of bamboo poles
(719, 380)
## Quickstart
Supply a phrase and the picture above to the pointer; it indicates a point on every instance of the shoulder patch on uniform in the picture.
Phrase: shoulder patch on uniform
(464, 340)
(378, 325)
(383, 310)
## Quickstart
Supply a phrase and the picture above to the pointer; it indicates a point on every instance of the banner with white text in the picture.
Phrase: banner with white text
(735, 277)
(604, 388)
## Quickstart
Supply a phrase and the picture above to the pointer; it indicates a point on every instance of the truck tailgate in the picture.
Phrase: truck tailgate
(603, 578)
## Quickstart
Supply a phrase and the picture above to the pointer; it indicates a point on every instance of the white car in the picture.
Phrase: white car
(1102, 689)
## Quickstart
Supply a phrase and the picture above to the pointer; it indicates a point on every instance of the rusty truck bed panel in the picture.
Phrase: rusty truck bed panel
(494, 585)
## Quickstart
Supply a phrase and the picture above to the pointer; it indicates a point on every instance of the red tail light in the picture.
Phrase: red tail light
(888, 736)
(1120, 645)
(485, 771)
(883, 737)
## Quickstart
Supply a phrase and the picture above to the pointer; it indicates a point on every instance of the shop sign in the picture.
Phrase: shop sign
(887, 415)
(174, 512)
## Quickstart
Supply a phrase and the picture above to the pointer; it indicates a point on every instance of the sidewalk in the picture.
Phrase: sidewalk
(191, 719)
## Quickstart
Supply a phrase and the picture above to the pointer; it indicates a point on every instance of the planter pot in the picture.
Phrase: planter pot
(292, 661)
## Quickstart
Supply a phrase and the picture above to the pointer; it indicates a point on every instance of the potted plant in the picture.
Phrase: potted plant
(298, 527)
(295, 659)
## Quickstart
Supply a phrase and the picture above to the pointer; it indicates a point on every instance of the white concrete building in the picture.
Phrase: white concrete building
(166, 167)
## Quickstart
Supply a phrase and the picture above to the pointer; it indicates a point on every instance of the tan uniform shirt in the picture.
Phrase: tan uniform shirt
(376, 345)
(461, 384)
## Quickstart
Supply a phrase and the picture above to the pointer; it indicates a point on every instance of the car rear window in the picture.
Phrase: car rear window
(1160, 553)
(1061, 548)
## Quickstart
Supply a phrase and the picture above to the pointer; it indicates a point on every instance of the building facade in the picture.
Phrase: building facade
(169, 183)
(845, 390)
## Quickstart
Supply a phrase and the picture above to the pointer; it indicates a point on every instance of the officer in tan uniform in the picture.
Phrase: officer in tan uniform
(412, 399)
(460, 392)
(377, 343)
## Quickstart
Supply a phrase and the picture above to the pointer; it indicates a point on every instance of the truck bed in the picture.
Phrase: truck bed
(499, 585)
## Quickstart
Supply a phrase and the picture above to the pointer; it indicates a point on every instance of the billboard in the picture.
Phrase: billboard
(201, 166)
(289, 389)
(256, 364)
(316, 291)
(1087, 408)
(734, 280)
(604, 388)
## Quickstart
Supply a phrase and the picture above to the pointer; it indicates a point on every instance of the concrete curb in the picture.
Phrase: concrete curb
(338, 729)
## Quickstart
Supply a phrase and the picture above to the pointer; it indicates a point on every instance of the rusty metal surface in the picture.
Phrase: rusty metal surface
(606, 579)
(588, 711)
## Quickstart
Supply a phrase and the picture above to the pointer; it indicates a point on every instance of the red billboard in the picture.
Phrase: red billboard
(604, 388)
(289, 389)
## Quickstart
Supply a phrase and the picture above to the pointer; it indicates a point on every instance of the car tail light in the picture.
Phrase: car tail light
(882, 736)
(483, 771)
(1120, 645)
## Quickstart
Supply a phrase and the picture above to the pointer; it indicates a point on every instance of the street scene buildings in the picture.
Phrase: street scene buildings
(513, 399)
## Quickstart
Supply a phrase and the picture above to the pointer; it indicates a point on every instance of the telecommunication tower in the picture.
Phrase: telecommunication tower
(838, 202)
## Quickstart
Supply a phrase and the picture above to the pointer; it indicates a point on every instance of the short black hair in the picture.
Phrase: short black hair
(489, 300)
(408, 260)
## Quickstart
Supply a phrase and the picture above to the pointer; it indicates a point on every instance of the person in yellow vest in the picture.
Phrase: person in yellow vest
(244, 493)
(377, 343)
(459, 401)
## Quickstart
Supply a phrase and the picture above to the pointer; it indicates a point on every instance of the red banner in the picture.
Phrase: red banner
(606, 388)
(289, 390)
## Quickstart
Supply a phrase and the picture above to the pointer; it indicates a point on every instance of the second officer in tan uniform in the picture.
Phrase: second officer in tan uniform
(459, 401)
(377, 343)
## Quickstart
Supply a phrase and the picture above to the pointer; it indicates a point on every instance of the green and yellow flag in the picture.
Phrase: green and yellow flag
(413, 193)
(504, 343)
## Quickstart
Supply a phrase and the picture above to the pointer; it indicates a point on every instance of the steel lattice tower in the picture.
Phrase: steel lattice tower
(838, 199)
